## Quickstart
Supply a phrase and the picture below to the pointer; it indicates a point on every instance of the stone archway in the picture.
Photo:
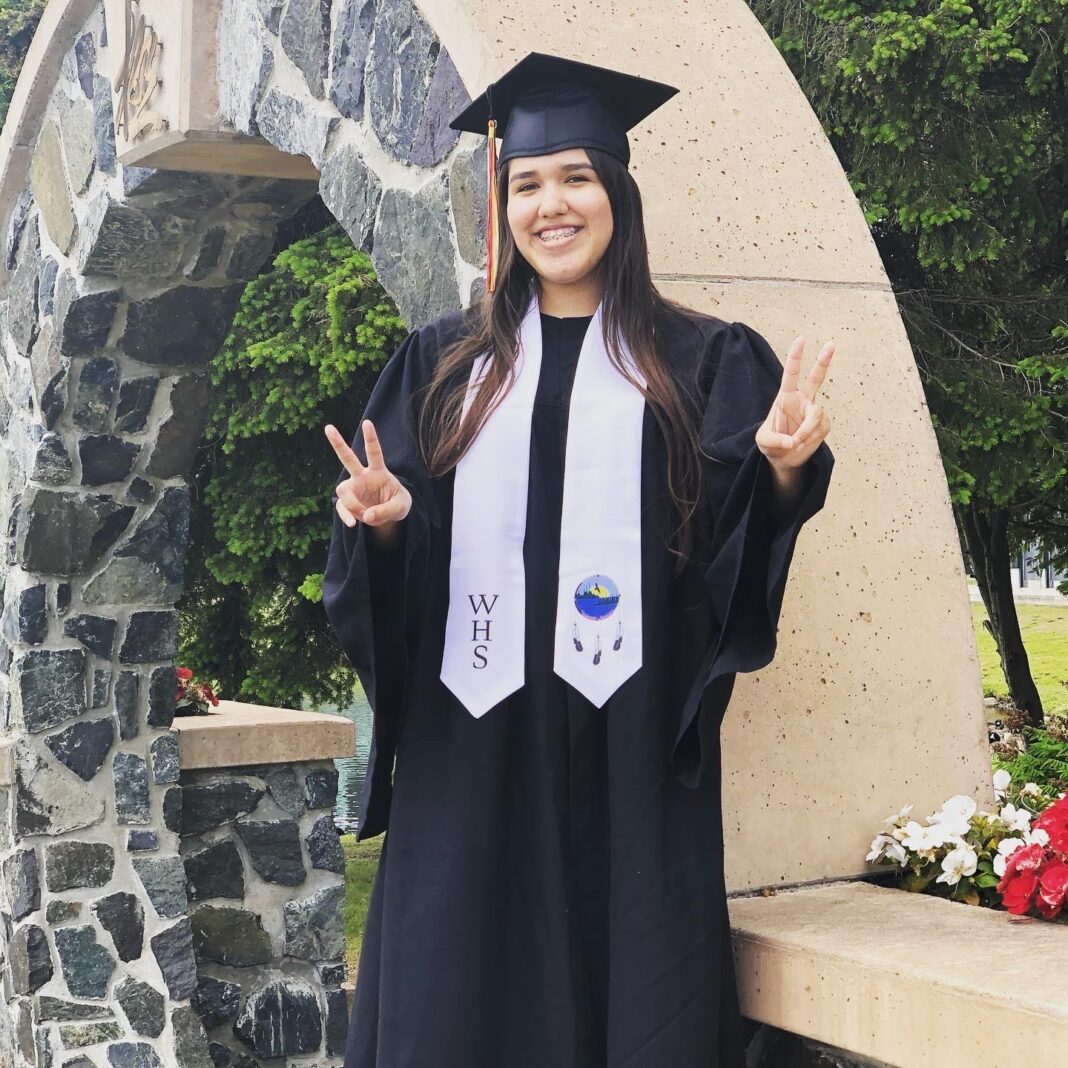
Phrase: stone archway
(123, 280)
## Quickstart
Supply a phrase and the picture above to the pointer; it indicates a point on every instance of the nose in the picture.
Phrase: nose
(552, 201)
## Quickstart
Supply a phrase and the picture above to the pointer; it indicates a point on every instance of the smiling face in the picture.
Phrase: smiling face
(560, 218)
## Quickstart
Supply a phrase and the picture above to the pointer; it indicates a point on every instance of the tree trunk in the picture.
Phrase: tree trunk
(984, 531)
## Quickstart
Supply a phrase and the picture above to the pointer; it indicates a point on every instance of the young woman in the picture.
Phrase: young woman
(563, 527)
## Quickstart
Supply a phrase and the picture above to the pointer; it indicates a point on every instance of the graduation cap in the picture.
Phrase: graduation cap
(545, 104)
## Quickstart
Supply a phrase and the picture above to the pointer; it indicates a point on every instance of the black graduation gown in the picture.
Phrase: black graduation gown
(551, 892)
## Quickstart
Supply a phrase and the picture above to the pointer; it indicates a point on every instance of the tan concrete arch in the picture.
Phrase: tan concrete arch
(874, 698)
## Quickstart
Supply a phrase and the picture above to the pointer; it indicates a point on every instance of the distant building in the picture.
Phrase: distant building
(1034, 570)
(1034, 579)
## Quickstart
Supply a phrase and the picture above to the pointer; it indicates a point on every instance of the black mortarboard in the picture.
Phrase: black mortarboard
(545, 104)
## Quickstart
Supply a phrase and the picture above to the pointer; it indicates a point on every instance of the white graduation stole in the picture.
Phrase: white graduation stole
(598, 637)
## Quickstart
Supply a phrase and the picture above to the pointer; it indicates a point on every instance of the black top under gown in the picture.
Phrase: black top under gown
(551, 892)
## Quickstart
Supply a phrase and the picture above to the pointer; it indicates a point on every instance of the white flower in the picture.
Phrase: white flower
(957, 863)
(1017, 819)
(1037, 837)
(1030, 789)
(917, 836)
(1006, 847)
(884, 845)
(899, 816)
(1002, 779)
(922, 839)
(955, 815)
(960, 806)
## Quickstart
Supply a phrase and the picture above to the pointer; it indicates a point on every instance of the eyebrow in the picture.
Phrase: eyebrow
(565, 167)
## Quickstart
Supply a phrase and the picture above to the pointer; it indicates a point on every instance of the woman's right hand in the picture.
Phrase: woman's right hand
(371, 494)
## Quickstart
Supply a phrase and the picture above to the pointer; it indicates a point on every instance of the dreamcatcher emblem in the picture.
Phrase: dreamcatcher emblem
(596, 601)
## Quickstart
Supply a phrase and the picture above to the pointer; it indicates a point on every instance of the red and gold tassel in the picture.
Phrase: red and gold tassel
(492, 209)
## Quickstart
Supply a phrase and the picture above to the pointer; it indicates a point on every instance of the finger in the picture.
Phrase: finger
(772, 439)
(348, 498)
(810, 423)
(819, 371)
(792, 370)
(346, 516)
(393, 510)
(375, 459)
(350, 460)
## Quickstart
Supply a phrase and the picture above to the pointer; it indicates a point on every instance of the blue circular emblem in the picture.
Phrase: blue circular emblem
(596, 597)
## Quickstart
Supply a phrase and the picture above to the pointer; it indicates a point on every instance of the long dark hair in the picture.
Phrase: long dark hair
(631, 308)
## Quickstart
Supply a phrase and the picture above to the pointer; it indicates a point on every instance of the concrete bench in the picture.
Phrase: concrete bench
(910, 980)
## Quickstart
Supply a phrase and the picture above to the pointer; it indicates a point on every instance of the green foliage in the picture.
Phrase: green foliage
(309, 338)
(18, 21)
(951, 121)
(1045, 761)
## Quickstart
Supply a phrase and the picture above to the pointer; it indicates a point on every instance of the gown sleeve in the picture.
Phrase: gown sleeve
(751, 548)
(371, 592)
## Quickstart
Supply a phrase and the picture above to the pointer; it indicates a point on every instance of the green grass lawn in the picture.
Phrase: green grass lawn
(1045, 635)
(361, 862)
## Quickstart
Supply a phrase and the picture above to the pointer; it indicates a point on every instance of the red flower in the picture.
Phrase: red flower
(1025, 859)
(1054, 821)
(185, 674)
(1052, 889)
(1017, 892)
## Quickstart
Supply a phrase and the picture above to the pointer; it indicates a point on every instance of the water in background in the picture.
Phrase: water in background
(351, 770)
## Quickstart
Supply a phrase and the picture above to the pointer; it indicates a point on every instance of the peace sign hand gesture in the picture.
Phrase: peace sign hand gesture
(796, 424)
(371, 494)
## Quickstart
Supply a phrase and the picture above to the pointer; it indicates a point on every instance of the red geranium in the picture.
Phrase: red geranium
(1054, 821)
(1036, 875)
(193, 693)
(1052, 889)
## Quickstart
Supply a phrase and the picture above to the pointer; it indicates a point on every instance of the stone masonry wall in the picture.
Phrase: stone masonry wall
(265, 879)
(124, 282)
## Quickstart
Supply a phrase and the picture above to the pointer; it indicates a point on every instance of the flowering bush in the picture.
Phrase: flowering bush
(194, 696)
(1010, 858)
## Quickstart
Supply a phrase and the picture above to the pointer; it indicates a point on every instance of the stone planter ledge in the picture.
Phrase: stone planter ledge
(909, 979)
(236, 734)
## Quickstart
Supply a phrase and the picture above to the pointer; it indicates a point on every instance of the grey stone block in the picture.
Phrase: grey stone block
(143, 1006)
(231, 936)
(47, 800)
(315, 926)
(413, 252)
(130, 773)
(83, 747)
(173, 950)
(22, 879)
(305, 35)
(122, 916)
(64, 533)
(274, 849)
(72, 865)
(51, 686)
(164, 881)
(351, 190)
(208, 805)
(87, 965)
(348, 57)
(150, 636)
(215, 871)
(281, 1019)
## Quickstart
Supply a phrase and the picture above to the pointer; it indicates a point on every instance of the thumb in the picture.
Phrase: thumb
(396, 508)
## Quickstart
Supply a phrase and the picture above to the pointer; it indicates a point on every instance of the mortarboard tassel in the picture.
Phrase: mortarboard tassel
(492, 208)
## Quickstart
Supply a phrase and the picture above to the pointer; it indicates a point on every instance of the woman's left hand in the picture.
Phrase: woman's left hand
(796, 424)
